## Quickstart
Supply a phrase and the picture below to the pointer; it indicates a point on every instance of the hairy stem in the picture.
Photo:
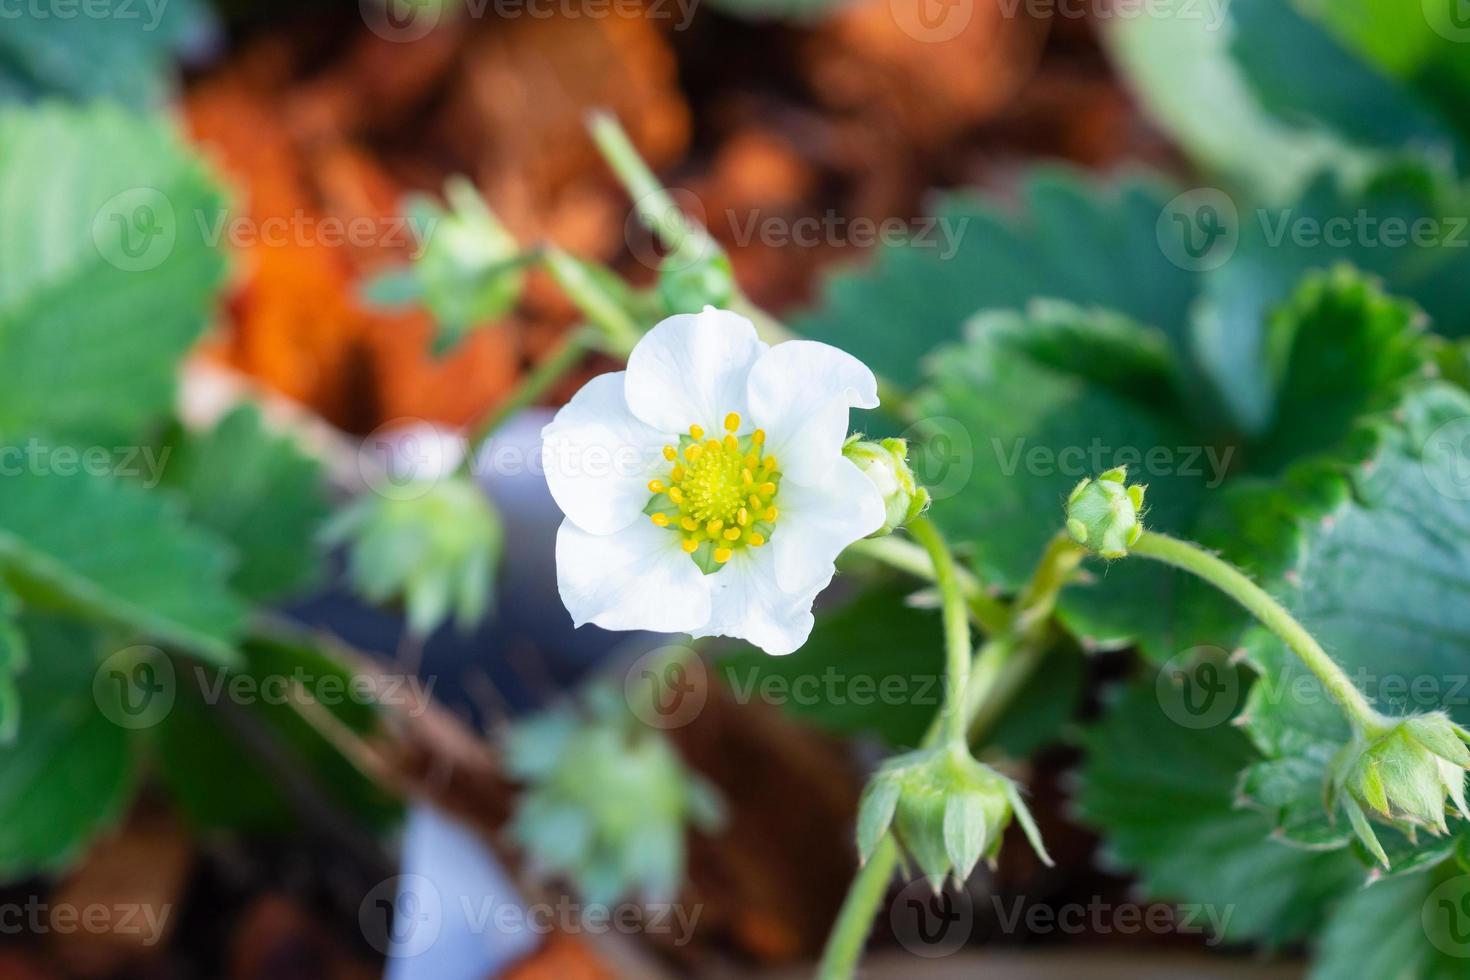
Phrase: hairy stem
(999, 668)
(1234, 583)
(956, 625)
(989, 612)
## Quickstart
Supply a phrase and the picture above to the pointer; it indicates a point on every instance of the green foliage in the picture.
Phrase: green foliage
(120, 50)
(1164, 794)
(260, 493)
(106, 274)
(1379, 567)
(1400, 927)
(70, 771)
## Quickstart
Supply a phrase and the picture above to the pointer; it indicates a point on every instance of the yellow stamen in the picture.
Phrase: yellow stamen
(770, 464)
(732, 534)
(732, 421)
(689, 524)
(742, 516)
(731, 444)
(713, 527)
(678, 475)
(722, 555)
(662, 520)
(676, 495)
(747, 477)
(767, 489)
(689, 545)
(696, 432)
(772, 514)
(756, 539)
(693, 452)
(656, 486)
(758, 436)
(755, 502)
(670, 453)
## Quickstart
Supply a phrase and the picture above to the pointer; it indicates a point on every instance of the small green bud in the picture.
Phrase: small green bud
(470, 267)
(688, 287)
(607, 800)
(944, 809)
(1105, 514)
(437, 550)
(1403, 774)
(886, 463)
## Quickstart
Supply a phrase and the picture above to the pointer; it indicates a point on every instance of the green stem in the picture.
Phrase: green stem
(655, 207)
(1234, 583)
(567, 353)
(620, 331)
(956, 625)
(989, 612)
(1000, 667)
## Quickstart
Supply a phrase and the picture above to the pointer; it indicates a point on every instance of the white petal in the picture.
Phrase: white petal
(599, 458)
(817, 523)
(747, 603)
(800, 393)
(636, 579)
(692, 369)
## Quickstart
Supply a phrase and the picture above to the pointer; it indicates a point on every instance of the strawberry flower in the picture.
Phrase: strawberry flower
(704, 488)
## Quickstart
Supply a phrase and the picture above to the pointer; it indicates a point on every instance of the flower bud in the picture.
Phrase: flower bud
(607, 800)
(886, 463)
(1403, 773)
(468, 267)
(944, 809)
(437, 550)
(1104, 514)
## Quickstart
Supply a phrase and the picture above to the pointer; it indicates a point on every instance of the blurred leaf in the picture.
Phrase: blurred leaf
(1061, 394)
(875, 667)
(1073, 240)
(1397, 928)
(96, 547)
(13, 659)
(122, 50)
(70, 772)
(106, 273)
(1163, 795)
(259, 492)
(1380, 577)
(222, 780)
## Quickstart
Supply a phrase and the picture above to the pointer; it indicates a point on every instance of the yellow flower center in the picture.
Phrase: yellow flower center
(719, 495)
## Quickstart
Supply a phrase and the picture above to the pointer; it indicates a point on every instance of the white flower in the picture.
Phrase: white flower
(704, 488)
